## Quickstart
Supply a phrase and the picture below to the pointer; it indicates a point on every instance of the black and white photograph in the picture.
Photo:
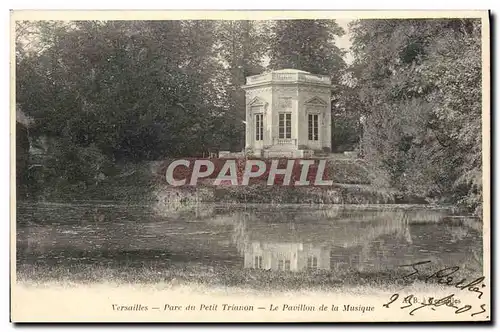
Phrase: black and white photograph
(250, 166)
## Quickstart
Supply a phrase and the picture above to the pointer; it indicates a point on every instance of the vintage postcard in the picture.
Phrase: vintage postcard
(250, 166)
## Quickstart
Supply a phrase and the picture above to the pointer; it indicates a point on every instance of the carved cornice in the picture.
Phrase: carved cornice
(284, 88)
(315, 90)
(288, 88)
(255, 91)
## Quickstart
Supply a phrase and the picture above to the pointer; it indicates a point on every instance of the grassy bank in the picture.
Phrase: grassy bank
(262, 193)
(129, 183)
(183, 274)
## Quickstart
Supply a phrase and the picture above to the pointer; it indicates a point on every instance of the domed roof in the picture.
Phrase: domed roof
(290, 71)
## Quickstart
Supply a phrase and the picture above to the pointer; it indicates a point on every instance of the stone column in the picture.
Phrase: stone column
(248, 129)
(327, 137)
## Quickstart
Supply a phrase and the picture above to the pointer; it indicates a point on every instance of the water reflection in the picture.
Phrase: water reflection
(351, 239)
(286, 256)
(285, 238)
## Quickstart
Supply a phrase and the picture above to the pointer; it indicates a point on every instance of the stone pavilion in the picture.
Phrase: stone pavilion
(288, 114)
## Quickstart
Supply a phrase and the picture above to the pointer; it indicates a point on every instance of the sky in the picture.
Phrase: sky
(344, 42)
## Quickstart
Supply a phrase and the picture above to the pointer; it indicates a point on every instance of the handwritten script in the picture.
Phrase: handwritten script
(445, 276)
(411, 303)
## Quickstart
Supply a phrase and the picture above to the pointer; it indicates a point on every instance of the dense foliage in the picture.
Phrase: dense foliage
(308, 45)
(419, 85)
(104, 93)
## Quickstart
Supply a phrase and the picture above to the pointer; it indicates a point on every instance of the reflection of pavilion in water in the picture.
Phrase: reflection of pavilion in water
(308, 245)
(286, 256)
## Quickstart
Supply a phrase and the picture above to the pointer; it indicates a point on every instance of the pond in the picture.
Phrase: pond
(106, 240)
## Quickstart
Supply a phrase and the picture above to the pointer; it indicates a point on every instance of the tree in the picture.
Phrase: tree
(118, 91)
(418, 82)
(307, 45)
(241, 46)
